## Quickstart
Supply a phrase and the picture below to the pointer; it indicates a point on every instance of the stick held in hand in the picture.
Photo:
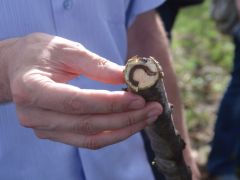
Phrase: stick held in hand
(144, 76)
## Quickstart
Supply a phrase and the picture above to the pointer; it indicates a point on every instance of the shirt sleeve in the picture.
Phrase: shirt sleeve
(136, 7)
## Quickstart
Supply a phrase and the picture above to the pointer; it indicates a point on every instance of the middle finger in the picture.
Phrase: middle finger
(86, 124)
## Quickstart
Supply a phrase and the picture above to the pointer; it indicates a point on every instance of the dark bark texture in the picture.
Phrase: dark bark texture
(166, 143)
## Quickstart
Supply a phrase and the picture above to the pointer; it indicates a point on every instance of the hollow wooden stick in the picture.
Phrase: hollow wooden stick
(144, 76)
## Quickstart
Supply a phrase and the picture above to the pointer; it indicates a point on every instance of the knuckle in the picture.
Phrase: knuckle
(131, 120)
(91, 143)
(18, 94)
(87, 125)
(36, 36)
(84, 126)
(32, 41)
(113, 107)
(30, 118)
(102, 62)
(78, 45)
(131, 131)
(20, 98)
(25, 118)
(73, 105)
(41, 134)
(25, 121)
(134, 129)
(82, 51)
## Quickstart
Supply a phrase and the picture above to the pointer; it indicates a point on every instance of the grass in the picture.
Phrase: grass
(202, 59)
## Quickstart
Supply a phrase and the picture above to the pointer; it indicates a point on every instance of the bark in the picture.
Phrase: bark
(144, 76)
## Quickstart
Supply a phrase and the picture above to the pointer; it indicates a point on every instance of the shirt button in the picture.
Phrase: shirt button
(67, 4)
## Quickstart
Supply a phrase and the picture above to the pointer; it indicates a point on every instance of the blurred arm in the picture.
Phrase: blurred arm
(152, 41)
(238, 6)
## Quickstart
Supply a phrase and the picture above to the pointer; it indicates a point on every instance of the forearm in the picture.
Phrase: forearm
(152, 41)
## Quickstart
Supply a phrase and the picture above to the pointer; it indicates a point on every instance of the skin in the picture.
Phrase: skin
(34, 70)
(152, 41)
(238, 6)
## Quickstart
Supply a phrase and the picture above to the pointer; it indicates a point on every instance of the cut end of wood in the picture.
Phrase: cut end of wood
(142, 73)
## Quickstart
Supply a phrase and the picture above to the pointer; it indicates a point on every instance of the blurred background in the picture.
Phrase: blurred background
(202, 59)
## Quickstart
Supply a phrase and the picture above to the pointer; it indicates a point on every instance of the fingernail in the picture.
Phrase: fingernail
(136, 104)
(151, 120)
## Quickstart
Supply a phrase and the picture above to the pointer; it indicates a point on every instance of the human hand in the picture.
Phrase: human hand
(37, 67)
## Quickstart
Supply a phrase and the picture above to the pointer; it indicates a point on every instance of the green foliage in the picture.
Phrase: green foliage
(202, 59)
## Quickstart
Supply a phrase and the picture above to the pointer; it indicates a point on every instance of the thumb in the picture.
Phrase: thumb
(101, 69)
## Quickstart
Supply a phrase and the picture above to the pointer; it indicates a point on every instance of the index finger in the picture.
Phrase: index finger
(82, 61)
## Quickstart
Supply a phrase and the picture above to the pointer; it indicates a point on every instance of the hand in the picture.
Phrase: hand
(37, 67)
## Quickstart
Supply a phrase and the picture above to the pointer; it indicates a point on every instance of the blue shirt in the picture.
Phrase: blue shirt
(100, 25)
